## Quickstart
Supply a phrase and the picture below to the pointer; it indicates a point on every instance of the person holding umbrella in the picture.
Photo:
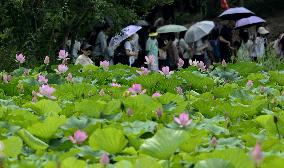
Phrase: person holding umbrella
(226, 37)
(127, 48)
(261, 42)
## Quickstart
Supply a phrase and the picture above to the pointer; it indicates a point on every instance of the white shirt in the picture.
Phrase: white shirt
(83, 60)
(129, 46)
(259, 46)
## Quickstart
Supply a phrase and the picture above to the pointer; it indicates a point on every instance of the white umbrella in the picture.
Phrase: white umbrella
(171, 29)
(198, 30)
(124, 34)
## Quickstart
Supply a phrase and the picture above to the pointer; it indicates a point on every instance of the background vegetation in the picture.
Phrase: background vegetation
(40, 27)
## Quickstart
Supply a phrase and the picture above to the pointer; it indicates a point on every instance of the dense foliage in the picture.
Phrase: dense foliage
(114, 117)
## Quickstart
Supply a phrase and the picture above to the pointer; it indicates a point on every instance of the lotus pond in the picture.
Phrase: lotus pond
(231, 116)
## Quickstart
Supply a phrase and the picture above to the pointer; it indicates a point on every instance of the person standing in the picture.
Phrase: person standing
(185, 49)
(261, 42)
(130, 50)
(225, 38)
(152, 49)
(101, 51)
(172, 52)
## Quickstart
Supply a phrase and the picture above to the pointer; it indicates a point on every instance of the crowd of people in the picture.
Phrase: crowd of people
(223, 43)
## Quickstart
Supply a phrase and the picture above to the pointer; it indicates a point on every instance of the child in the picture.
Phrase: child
(152, 49)
(84, 59)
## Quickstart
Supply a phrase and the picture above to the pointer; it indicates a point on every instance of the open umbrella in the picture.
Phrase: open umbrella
(171, 29)
(250, 21)
(142, 23)
(236, 13)
(198, 30)
(124, 34)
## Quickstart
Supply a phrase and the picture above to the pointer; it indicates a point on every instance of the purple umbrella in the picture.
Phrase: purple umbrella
(124, 34)
(250, 21)
(236, 13)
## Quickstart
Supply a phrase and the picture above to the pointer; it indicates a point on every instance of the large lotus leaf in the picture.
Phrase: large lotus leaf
(212, 125)
(214, 163)
(277, 77)
(266, 121)
(224, 91)
(138, 127)
(194, 139)
(20, 117)
(44, 107)
(12, 146)
(91, 108)
(123, 164)
(164, 143)
(109, 139)
(74, 91)
(237, 157)
(146, 161)
(113, 107)
(73, 162)
(272, 162)
(245, 68)
(48, 127)
(143, 107)
(31, 140)
(173, 103)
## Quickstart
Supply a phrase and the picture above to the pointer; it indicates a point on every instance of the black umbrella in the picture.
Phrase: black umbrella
(236, 13)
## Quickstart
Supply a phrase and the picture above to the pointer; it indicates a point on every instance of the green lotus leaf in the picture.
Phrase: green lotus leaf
(31, 140)
(48, 127)
(44, 107)
(214, 163)
(110, 139)
(163, 144)
(73, 162)
(12, 146)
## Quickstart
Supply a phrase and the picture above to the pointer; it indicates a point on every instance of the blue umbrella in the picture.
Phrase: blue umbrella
(248, 22)
(236, 13)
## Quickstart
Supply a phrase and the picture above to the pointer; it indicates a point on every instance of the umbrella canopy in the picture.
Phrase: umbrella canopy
(236, 13)
(250, 21)
(124, 34)
(171, 29)
(142, 23)
(198, 30)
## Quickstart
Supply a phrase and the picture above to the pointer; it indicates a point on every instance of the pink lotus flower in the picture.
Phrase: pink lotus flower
(179, 90)
(105, 65)
(115, 85)
(7, 78)
(47, 91)
(136, 89)
(159, 112)
(193, 63)
(69, 77)
(156, 94)
(201, 66)
(41, 79)
(214, 142)
(166, 71)
(144, 71)
(61, 69)
(250, 84)
(63, 55)
(180, 63)
(129, 112)
(257, 154)
(224, 63)
(26, 72)
(104, 159)
(102, 92)
(150, 60)
(183, 120)
(46, 60)
(20, 58)
(79, 137)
